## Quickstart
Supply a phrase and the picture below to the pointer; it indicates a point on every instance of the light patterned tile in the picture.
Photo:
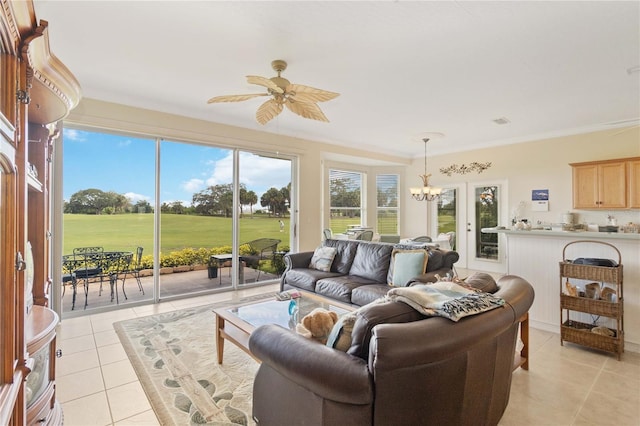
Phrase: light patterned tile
(127, 401)
(77, 385)
(111, 353)
(76, 362)
(603, 409)
(148, 418)
(118, 373)
(89, 410)
(76, 344)
(74, 327)
(535, 400)
(104, 338)
(622, 387)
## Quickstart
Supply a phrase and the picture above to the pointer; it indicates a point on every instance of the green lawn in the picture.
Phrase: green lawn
(127, 231)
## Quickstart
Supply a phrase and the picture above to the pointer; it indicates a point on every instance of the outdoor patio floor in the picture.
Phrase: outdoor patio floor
(173, 284)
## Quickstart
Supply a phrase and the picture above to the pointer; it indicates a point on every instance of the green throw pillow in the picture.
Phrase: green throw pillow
(407, 265)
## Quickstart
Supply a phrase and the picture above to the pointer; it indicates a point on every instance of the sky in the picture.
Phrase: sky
(126, 165)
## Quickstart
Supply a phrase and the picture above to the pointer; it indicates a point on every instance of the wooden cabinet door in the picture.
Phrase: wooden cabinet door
(634, 184)
(585, 187)
(600, 185)
(612, 185)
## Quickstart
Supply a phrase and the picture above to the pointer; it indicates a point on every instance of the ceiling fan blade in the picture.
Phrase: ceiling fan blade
(306, 110)
(262, 81)
(235, 98)
(310, 94)
(268, 111)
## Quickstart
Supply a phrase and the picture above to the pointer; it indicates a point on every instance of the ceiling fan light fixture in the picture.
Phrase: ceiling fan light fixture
(299, 99)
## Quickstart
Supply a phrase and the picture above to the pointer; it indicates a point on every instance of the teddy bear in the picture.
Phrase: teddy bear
(317, 324)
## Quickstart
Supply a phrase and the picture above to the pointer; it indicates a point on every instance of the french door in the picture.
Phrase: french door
(467, 208)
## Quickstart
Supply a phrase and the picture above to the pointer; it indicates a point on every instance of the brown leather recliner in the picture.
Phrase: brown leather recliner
(406, 370)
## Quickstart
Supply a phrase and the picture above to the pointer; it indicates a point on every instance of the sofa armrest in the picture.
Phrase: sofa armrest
(449, 257)
(430, 277)
(326, 372)
(297, 260)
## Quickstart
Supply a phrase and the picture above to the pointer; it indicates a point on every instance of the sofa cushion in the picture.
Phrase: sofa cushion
(378, 312)
(305, 278)
(322, 258)
(366, 294)
(482, 281)
(392, 265)
(372, 261)
(345, 252)
(340, 288)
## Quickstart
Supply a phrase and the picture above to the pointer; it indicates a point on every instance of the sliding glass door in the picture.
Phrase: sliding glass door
(264, 216)
(108, 191)
(196, 218)
(189, 217)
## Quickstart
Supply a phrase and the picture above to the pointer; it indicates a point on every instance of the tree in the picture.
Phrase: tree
(143, 206)
(247, 198)
(214, 200)
(90, 201)
(344, 193)
(276, 200)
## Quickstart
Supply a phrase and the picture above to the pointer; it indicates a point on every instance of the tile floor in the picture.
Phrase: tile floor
(565, 385)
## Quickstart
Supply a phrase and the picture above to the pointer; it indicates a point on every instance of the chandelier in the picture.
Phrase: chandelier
(426, 192)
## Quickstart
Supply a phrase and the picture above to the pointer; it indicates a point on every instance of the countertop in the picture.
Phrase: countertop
(570, 234)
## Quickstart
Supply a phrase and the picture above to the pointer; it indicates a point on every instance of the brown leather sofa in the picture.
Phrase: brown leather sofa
(359, 272)
(402, 368)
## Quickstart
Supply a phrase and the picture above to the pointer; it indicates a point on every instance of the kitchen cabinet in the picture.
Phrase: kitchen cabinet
(36, 92)
(604, 184)
(634, 184)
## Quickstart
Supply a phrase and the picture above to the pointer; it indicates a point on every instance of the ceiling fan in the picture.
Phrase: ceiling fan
(299, 99)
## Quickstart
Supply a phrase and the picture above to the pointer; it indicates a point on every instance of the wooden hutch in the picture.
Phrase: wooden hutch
(37, 91)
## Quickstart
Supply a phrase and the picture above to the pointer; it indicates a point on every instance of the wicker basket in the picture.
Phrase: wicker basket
(603, 274)
(593, 306)
(580, 333)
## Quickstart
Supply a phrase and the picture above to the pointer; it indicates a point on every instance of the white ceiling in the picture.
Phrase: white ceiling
(402, 68)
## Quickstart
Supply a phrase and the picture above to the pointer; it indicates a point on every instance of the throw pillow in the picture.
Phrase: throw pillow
(340, 336)
(322, 259)
(482, 282)
(406, 264)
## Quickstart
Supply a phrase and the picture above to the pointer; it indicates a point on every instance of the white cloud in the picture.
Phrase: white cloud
(193, 185)
(134, 198)
(256, 172)
(74, 135)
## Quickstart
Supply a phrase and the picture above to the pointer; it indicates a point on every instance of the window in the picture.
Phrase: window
(387, 204)
(345, 190)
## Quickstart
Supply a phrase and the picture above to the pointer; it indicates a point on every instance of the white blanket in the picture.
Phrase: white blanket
(445, 299)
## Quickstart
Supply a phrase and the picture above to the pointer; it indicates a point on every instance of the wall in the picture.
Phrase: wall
(541, 164)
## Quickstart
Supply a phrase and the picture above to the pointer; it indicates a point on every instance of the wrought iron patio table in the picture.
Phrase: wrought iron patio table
(91, 266)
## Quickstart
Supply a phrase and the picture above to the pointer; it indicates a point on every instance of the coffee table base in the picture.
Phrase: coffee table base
(226, 330)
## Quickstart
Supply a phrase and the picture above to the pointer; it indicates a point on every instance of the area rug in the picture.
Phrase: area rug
(174, 356)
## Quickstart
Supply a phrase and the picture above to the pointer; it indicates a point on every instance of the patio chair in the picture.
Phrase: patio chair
(133, 268)
(261, 249)
(365, 236)
(327, 234)
(422, 239)
(389, 238)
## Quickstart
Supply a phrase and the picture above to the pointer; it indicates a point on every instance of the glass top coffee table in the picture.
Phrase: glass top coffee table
(238, 322)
